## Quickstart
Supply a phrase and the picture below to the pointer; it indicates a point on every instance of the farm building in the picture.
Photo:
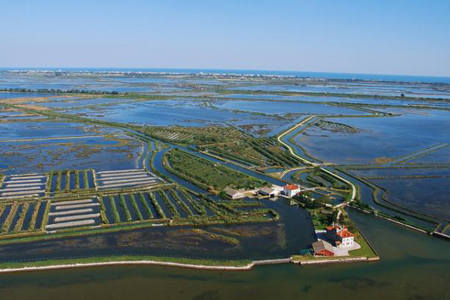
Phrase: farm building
(322, 248)
(234, 194)
(271, 192)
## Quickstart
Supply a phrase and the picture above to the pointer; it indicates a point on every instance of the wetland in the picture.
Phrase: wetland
(145, 156)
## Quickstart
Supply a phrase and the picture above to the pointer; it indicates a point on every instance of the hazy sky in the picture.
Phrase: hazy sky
(410, 37)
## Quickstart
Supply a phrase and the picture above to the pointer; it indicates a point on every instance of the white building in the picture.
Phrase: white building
(291, 190)
(341, 236)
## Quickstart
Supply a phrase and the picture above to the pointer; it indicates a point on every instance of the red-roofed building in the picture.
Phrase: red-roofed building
(322, 248)
(340, 235)
(291, 190)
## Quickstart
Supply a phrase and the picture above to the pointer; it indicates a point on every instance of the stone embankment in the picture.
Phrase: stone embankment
(442, 235)
(272, 261)
(337, 260)
(249, 266)
(392, 220)
(140, 262)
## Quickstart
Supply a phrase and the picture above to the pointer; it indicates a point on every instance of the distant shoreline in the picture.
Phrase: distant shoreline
(240, 72)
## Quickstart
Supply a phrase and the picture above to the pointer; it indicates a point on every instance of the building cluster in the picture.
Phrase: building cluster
(289, 191)
(338, 236)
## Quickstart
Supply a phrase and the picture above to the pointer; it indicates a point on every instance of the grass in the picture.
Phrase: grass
(173, 210)
(115, 213)
(146, 205)
(104, 218)
(158, 208)
(194, 135)
(365, 250)
(135, 207)
(123, 204)
(23, 213)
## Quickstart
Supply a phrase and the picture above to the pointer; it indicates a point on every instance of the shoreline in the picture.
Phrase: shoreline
(149, 262)
(125, 263)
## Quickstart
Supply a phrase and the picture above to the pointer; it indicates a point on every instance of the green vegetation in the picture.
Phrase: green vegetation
(85, 179)
(208, 174)
(335, 127)
(194, 135)
(366, 249)
(67, 187)
(157, 206)
(173, 210)
(321, 217)
(253, 151)
(123, 204)
(71, 177)
(46, 212)
(58, 181)
(177, 200)
(215, 236)
(23, 212)
(48, 186)
(7, 223)
(146, 205)
(115, 213)
(103, 210)
(136, 208)
(225, 142)
(183, 205)
(275, 154)
(34, 216)
(77, 180)
(200, 209)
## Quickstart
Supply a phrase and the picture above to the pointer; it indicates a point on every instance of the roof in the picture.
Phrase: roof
(345, 233)
(267, 190)
(340, 231)
(320, 246)
(231, 192)
(291, 187)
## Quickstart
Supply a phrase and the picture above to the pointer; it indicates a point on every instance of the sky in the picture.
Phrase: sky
(404, 37)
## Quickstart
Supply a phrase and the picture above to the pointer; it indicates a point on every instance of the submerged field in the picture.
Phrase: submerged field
(29, 148)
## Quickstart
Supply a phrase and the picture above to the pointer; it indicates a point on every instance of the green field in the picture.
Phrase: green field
(213, 176)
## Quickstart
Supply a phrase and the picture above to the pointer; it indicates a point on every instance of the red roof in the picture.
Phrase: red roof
(291, 187)
(344, 233)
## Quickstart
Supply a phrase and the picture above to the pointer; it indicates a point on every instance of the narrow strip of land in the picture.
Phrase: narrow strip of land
(291, 150)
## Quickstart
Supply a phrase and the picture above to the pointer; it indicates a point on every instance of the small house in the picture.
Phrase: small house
(291, 190)
(322, 248)
(340, 235)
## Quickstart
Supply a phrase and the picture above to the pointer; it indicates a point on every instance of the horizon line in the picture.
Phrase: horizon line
(221, 70)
